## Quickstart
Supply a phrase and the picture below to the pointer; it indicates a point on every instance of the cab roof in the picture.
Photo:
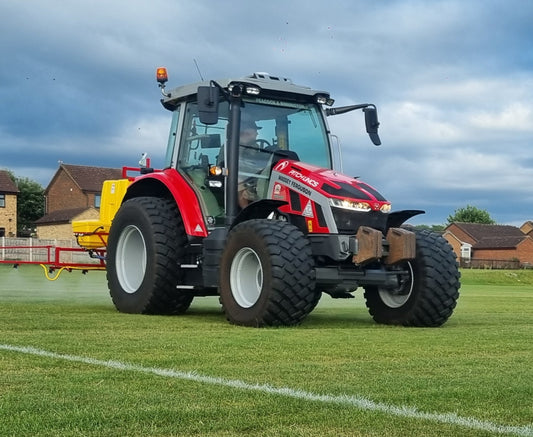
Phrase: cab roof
(269, 85)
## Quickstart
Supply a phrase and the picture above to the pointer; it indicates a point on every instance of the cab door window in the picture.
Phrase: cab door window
(200, 148)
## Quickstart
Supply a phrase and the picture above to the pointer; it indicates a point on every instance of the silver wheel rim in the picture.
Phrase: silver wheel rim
(246, 277)
(398, 297)
(131, 259)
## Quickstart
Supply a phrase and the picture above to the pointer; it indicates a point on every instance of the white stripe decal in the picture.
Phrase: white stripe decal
(354, 401)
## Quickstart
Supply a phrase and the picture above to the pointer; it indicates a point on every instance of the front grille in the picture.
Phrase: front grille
(348, 222)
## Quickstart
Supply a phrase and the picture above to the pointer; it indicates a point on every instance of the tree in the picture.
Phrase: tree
(30, 203)
(471, 214)
(433, 228)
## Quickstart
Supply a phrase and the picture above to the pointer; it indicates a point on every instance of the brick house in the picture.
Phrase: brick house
(72, 194)
(480, 245)
(527, 228)
(8, 205)
(58, 224)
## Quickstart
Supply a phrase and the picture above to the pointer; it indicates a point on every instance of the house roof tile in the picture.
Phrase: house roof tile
(506, 242)
(6, 183)
(492, 236)
(60, 216)
(479, 231)
(90, 178)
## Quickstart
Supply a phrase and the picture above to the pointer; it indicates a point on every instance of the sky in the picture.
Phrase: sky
(452, 81)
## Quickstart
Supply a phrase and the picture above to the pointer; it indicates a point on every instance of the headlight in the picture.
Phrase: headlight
(357, 205)
(350, 204)
(247, 89)
(254, 91)
(214, 170)
(324, 99)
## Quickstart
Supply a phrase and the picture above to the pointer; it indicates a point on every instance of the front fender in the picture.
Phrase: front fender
(260, 209)
(397, 218)
(170, 183)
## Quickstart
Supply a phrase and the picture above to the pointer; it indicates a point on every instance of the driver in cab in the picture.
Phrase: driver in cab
(252, 160)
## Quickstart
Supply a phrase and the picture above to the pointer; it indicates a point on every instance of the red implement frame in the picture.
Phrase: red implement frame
(52, 263)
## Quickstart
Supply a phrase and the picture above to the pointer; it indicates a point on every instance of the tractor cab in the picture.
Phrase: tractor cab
(267, 133)
(253, 122)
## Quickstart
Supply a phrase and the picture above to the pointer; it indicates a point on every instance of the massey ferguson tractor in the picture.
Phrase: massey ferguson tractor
(249, 207)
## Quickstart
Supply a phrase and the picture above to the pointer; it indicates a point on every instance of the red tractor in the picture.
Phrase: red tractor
(248, 207)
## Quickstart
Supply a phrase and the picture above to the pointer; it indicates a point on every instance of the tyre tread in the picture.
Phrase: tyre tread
(438, 278)
(169, 238)
(293, 294)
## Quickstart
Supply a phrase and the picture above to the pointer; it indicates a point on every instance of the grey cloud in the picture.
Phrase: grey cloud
(452, 81)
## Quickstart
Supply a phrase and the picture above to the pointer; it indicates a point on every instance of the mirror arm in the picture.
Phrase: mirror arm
(371, 118)
(344, 109)
(224, 92)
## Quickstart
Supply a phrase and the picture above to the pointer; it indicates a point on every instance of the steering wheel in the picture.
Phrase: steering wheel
(263, 144)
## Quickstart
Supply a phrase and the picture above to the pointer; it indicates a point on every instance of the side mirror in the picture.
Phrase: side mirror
(208, 97)
(372, 124)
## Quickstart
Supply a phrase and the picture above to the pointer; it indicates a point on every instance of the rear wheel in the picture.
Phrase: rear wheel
(145, 246)
(267, 274)
(428, 287)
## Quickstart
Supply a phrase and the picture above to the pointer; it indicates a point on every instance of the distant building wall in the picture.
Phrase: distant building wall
(63, 193)
(527, 228)
(523, 253)
(55, 232)
(460, 234)
(63, 231)
(8, 215)
(500, 254)
(454, 242)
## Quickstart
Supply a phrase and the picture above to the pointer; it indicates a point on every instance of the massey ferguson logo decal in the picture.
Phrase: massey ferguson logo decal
(282, 165)
(295, 185)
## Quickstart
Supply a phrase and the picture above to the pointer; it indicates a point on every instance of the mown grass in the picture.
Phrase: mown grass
(478, 365)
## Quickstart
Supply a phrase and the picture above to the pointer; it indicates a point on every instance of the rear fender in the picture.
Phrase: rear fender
(169, 183)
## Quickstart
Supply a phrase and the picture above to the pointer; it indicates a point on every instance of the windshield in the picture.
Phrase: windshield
(269, 130)
(290, 126)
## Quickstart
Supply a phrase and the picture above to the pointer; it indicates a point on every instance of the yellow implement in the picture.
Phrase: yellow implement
(92, 234)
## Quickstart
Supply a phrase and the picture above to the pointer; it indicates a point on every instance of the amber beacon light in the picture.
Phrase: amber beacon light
(161, 75)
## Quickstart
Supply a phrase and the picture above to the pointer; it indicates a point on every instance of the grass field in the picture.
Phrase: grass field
(70, 365)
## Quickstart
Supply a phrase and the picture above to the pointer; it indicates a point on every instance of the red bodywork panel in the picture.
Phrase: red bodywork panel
(309, 186)
(312, 185)
(185, 197)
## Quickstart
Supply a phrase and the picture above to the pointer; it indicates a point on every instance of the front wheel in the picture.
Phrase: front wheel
(145, 247)
(427, 287)
(267, 274)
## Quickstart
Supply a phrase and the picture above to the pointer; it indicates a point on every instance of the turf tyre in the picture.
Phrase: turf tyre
(267, 275)
(146, 243)
(427, 294)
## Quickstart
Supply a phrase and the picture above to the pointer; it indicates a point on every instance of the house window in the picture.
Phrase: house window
(2, 200)
(97, 199)
(466, 250)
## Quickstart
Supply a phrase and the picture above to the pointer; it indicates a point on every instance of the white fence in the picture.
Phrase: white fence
(41, 251)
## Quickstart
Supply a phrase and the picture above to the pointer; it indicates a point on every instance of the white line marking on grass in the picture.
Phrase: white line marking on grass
(354, 401)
